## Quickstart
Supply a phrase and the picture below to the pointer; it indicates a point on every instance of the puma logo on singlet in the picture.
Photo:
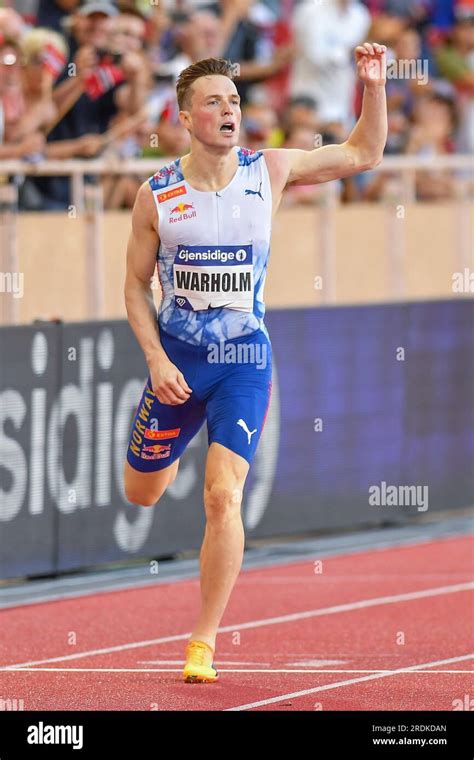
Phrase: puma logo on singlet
(243, 425)
(255, 192)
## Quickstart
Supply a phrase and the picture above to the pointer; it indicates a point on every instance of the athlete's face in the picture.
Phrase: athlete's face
(215, 103)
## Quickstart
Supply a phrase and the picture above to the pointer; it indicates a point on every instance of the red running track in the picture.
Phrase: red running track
(329, 634)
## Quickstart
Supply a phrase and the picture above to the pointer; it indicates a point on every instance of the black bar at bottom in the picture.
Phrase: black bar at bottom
(437, 734)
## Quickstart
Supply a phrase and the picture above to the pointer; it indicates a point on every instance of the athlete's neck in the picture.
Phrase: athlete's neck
(209, 172)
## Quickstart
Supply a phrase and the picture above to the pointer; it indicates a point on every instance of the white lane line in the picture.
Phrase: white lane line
(236, 670)
(339, 684)
(348, 607)
(313, 663)
(221, 662)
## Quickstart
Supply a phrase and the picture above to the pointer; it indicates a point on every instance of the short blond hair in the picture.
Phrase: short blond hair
(35, 41)
(204, 68)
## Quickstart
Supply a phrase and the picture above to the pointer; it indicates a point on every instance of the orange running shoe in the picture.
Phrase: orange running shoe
(198, 668)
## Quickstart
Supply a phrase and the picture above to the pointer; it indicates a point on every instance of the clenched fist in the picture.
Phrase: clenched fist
(371, 60)
(168, 383)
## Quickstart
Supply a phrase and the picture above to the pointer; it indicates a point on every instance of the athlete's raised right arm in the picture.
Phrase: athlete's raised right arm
(169, 384)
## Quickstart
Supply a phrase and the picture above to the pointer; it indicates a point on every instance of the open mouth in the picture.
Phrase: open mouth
(228, 127)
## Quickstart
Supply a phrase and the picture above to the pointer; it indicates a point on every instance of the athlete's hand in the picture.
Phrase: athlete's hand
(371, 60)
(168, 383)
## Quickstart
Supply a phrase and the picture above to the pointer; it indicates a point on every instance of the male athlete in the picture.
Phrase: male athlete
(206, 219)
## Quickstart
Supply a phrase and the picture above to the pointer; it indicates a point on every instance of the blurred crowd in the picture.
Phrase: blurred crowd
(87, 79)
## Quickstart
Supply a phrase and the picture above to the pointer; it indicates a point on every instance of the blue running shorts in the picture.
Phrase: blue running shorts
(231, 384)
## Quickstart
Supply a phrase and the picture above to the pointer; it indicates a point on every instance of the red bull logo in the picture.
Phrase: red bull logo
(157, 448)
(185, 211)
(157, 451)
(181, 207)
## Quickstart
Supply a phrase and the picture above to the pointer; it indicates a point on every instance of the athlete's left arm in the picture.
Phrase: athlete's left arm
(363, 149)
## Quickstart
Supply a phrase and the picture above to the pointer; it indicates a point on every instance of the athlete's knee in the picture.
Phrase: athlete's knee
(141, 498)
(144, 493)
(140, 493)
(221, 501)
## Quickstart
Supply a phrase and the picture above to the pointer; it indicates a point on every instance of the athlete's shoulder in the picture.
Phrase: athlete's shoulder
(247, 156)
(278, 164)
(166, 176)
(144, 212)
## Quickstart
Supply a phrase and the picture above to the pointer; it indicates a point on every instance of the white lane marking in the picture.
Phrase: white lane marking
(348, 607)
(314, 663)
(179, 662)
(338, 685)
(237, 670)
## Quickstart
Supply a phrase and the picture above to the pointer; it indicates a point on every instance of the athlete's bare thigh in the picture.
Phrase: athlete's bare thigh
(145, 488)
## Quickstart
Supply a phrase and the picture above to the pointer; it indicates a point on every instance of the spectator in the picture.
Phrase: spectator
(250, 41)
(12, 25)
(13, 106)
(196, 36)
(414, 11)
(455, 62)
(51, 13)
(128, 33)
(434, 124)
(326, 35)
(302, 111)
(260, 124)
(387, 28)
(173, 138)
(231, 35)
(44, 54)
(127, 53)
(90, 25)
(402, 92)
(105, 85)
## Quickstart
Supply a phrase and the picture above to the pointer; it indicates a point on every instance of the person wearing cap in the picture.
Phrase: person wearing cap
(79, 132)
(54, 13)
(91, 24)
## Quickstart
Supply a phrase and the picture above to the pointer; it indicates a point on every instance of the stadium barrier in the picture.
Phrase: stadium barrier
(73, 261)
(371, 422)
